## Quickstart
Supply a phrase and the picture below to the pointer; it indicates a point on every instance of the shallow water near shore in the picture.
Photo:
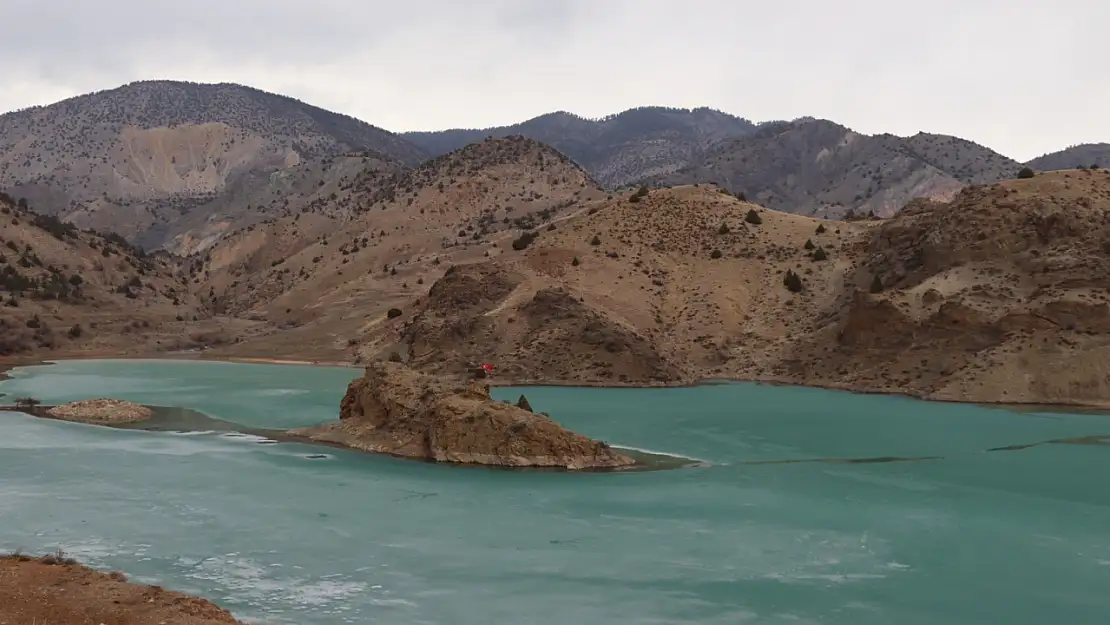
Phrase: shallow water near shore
(814, 507)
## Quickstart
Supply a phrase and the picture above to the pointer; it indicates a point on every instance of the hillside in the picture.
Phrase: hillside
(817, 167)
(67, 291)
(669, 288)
(506, 251)
(320, 279)
(617, 150)
(1086, 155)
(141, 157)
(999, 295)
(335, 186)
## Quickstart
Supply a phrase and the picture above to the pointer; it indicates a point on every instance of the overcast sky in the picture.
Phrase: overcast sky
(1019, 76)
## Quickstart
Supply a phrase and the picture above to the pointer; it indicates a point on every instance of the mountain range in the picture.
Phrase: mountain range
(178, 165)
(658, 246)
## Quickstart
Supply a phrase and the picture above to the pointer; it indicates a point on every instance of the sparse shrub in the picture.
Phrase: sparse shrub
(715, 254)
(575, 262)
(809, 245)
(753, 217)
(1026, 172)
(394, 357)
(523, 404)
(740, 196)
(876, 284)
(393, 313)
(524, 240)
(596, 240)
(26, 402)
(75, 331)
(819, 254)
(792, 282)
(820, 228)
(640, 193)
(723, 229)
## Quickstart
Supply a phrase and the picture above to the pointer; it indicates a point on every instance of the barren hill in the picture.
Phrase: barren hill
(334, 186)
(1086, 155)
(140, 157)
(817, 167)
(63, 290)
(313, 271)
(671, 287)
(999, 295)
(617, 150)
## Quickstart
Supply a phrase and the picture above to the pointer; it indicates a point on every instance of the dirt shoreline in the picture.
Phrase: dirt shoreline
(8, 364)
(56, 589)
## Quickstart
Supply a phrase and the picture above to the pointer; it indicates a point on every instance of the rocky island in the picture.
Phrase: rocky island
(395, 410)
(101, 411)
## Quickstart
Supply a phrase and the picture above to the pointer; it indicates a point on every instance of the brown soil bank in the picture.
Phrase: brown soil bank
(53, 590)
(395, 410)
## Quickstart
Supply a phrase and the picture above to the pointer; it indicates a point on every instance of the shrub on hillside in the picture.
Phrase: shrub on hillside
(753, 217)
(393, 313)
(58, 228)
(1026, 172)
(26, 402)
(876, 284)
(792, 282)
(640, 193)
(524, 240)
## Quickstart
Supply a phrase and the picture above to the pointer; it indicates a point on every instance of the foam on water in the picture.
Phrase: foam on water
(667, 454)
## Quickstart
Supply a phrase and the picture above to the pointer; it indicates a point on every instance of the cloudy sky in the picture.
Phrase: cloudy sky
(1019, 76)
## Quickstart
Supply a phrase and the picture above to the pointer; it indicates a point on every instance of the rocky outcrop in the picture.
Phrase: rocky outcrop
(101, 411)
(565, 336)
(395, 410)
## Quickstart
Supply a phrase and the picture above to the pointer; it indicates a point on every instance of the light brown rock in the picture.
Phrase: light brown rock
(395, 410)
(101, 411)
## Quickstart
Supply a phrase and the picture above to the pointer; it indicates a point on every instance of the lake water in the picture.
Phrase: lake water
(972, 537)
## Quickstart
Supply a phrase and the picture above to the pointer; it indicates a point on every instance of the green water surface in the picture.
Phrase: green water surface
(287, 533)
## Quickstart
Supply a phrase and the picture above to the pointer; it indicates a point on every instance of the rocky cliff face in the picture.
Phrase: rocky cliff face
(395, 410)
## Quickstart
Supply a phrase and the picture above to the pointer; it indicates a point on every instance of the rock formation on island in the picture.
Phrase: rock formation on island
(395, 410)
(101, 411)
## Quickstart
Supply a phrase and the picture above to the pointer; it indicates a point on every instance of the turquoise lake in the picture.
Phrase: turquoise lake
(972, 537)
